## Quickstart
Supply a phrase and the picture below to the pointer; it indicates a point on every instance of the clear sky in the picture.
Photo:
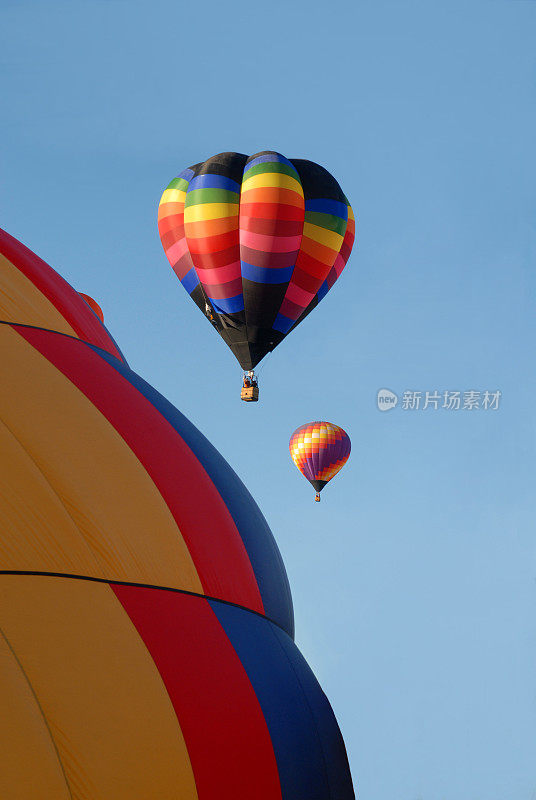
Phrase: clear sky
(414, 578)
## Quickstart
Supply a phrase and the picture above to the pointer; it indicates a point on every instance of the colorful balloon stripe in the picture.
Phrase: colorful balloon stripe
(282, 680)
(171, 229)
(258, 539)
(262, 235)
(337, 268)
(226, 733)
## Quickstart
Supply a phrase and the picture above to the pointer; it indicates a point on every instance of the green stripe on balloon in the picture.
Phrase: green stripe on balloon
(329, 221)
(199, 196)
(271, 166)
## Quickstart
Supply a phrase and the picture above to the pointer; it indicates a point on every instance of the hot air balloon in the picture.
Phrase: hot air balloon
(256, 242)
(93, 305)
(319, 450)
(146, 623)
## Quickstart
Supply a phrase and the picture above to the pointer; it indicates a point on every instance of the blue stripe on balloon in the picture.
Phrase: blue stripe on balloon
(190, 280)
(258, 539)
(266, 274)
(211, 181)
(308, 746)
(186, 174)
(270, 157)
(227, 305)
(322, 292)
(324, 206)
(282, 324)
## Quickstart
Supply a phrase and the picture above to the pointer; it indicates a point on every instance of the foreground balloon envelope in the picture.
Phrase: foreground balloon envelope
(257, 242)
(146, 617)
(319, 450)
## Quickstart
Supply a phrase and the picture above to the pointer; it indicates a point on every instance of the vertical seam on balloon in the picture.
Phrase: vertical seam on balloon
(239, 247)
(40, 707)
(299, 247)
(188, 246)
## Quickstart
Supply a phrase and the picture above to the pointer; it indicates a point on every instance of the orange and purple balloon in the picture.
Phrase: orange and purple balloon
(319, 450)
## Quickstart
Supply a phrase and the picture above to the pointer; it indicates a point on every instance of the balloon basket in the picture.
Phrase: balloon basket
(317, 497)
(249, 394)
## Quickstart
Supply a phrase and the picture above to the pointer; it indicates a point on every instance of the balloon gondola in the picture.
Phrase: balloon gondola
(256, 242)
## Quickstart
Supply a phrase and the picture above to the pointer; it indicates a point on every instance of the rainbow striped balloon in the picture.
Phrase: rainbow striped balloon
(319, 450)
(256, 242)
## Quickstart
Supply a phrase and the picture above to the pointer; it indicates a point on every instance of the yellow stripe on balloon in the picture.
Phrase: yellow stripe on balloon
(204, 211)
(323, 235)
(274, 180)
(173, 196)
(325, 255)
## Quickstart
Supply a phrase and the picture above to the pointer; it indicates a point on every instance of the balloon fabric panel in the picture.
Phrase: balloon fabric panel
(257, 242)
(98, 691)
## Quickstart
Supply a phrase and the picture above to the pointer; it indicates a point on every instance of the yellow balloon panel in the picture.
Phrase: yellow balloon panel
(77, 667)
(25, 739)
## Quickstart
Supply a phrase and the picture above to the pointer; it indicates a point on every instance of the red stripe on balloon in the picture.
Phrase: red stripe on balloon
(218, 711)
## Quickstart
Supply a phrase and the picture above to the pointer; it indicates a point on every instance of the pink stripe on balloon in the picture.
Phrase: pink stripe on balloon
(176, 250)
(218, 275)
(339, 264)
(298, 295)
(274, 244)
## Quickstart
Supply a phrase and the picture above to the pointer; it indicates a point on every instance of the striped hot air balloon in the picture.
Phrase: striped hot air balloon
(256, 242)
(319, 450)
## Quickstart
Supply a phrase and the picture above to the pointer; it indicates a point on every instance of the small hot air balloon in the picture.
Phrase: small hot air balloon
(256, 242)
(319, 450)
(94, 306)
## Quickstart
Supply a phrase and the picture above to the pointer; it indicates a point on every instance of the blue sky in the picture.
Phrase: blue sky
(414, 578)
